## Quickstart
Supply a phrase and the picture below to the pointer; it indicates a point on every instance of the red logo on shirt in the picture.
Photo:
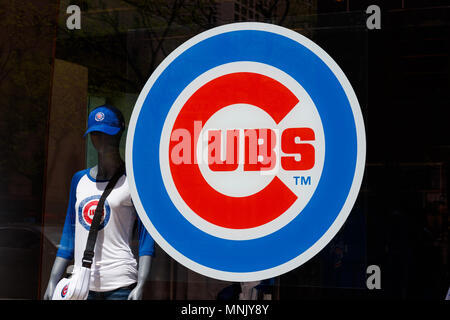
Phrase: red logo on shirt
(89, 211)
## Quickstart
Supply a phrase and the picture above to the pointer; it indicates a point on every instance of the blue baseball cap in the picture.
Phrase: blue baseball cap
(106, 119)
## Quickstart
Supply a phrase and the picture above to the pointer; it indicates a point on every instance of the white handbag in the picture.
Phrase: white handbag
(76, 287)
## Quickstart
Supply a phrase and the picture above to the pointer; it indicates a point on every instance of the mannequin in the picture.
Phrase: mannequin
(109, 160)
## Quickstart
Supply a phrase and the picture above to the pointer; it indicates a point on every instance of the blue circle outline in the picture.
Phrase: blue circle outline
(80, 212)
(340, 156)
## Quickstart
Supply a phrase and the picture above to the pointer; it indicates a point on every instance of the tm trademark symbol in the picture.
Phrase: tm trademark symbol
(302, 181)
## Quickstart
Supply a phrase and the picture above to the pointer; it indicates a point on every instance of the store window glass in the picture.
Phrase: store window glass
(400, 73)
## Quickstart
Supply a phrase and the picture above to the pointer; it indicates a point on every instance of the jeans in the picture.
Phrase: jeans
(117, 294)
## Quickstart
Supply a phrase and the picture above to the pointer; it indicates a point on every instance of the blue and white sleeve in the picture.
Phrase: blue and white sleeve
(146, 242)
(67, 243)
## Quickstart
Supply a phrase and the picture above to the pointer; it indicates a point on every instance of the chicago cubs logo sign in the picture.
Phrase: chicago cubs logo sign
(86, 211)
(245, 151)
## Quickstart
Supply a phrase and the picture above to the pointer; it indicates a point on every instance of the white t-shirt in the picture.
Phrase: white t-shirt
(114, 264)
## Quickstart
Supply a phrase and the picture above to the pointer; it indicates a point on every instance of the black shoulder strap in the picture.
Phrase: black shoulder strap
(92, 237)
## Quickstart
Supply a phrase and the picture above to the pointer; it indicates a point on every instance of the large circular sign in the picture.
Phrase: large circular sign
(245, 151)
(87, 209)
